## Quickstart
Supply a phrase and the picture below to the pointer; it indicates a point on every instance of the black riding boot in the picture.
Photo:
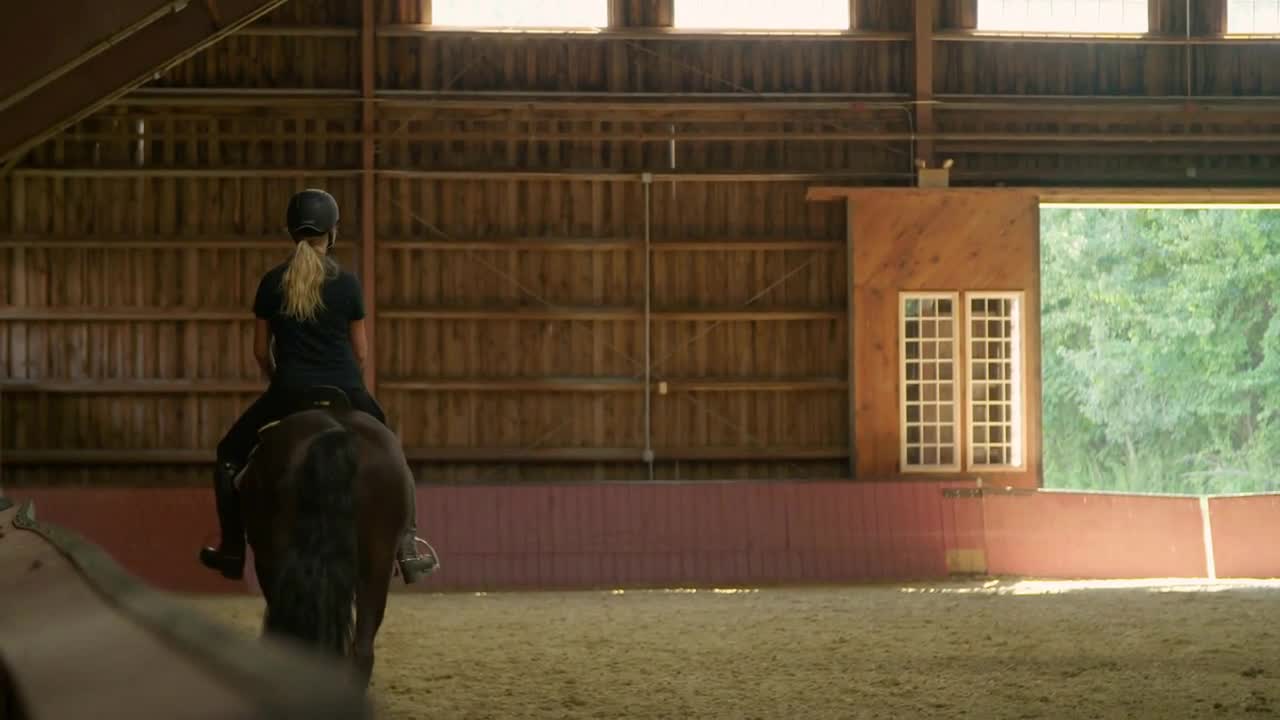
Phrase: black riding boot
(414, 567)
(228, 558)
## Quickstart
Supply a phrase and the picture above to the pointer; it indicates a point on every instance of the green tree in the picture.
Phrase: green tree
(1161, 349)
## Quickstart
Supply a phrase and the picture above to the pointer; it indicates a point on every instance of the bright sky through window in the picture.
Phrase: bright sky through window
(762, 14)
(1253, 17)
(1087, 17)
(520, 13)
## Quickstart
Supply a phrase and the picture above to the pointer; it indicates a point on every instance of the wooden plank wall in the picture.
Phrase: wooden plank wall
(513, 327)
(1069, 112)
(509, 215)
(509, 268)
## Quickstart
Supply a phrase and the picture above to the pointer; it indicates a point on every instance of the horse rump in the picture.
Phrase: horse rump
(313, 590)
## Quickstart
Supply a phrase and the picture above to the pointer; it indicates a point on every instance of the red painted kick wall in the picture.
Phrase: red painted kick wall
(1093, 535)
(586, 536)
(730, 534)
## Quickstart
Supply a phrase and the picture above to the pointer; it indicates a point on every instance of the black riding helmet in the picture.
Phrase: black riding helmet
(312, 213)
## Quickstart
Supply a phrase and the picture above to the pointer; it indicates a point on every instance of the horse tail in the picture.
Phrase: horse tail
(314, 589)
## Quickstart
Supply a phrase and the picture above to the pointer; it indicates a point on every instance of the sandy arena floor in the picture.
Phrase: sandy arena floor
(995, 650)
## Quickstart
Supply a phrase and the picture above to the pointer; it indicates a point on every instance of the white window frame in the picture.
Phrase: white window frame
(1017, 403)
(962, 389)
(725, 17)
(532, 26)
(1271, 23)
(1050, 28)
(956, 420)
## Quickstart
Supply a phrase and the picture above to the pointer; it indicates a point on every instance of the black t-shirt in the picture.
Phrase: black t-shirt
(318, 352)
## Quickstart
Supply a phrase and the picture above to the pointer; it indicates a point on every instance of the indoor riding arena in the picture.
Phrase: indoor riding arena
(751, 358)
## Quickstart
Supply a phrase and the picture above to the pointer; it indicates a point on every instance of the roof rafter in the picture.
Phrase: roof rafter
(84, 72)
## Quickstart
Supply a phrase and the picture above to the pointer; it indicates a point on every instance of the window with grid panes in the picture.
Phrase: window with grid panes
(994, 372)
(929, 408)
(779, 15)
(520, 13)
(1253, 17)
(1086, 17)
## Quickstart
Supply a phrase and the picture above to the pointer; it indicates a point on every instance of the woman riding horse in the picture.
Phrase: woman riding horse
(314, 311)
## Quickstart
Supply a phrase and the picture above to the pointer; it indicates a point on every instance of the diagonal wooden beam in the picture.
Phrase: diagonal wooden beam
(118, 68)
(34, 54)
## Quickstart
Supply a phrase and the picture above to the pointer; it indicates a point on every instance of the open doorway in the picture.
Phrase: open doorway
(1161, 348)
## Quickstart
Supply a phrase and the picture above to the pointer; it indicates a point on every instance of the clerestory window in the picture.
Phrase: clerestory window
(1079, 17)
(759, 15)
(520, 13)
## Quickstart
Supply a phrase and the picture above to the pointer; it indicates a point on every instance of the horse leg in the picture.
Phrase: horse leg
(266, 581)
(266, 543)
(371, 603)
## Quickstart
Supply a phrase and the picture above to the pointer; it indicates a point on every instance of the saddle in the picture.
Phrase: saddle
(316, 397)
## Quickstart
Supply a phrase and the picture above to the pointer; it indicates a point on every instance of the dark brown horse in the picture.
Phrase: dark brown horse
(325, 499)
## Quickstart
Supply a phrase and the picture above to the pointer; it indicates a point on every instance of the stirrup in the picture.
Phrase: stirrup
(414, 567)
(231, 566)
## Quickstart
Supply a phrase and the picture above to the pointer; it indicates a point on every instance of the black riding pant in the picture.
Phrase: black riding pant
(275, 404)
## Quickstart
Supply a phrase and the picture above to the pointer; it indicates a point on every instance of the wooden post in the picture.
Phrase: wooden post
(367, 209)
(18, 331)
(1216, 19)
(922, 42)
(851, 293)
(664, 13)
(1157, 17)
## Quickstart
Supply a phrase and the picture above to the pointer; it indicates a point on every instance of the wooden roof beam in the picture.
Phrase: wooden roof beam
(115, 69)
(447, 454)
(33, 56)
(95, 386)
(667, 104)
(502, 312)
(969, 36)
(234, 241)
(1207, 195)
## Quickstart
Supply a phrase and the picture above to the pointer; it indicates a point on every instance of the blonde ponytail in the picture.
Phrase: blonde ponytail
(303, 279)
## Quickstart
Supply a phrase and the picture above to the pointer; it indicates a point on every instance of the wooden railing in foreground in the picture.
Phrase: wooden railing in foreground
(80, 637)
